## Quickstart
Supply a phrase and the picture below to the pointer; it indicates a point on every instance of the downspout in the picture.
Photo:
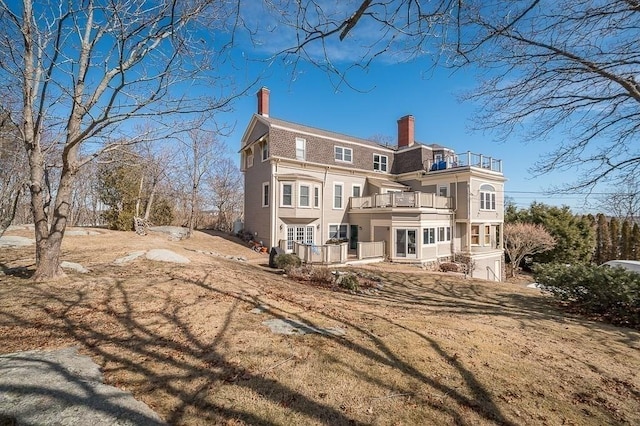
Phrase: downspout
(322, 206)
(274, 197)
(453, 219)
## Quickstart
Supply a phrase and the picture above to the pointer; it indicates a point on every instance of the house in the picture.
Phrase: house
(414, 202)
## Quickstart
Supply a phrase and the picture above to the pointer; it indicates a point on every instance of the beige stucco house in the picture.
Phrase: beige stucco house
(418, 203)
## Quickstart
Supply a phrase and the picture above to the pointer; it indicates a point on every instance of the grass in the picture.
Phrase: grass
(428, 348)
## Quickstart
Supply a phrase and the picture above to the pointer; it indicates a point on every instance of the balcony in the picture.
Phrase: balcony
(401, 199)
(469, 159)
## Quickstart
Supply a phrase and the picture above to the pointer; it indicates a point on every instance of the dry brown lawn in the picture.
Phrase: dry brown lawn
(428, 349)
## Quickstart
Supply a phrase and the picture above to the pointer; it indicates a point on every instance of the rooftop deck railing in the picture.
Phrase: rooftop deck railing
(468, 159)
(401, 199)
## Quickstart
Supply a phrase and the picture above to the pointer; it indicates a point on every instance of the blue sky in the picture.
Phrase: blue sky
(387, 92)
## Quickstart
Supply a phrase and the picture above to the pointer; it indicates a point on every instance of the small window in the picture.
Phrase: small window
(443, 190)
(487, 197)
(338, 232)
(356, 191)
(444, 234)
(380, 162)
(304, 196)
(429, 236)
(265, 151)
(475, 234)
(316, 197)
(337, 196)
(487, 235)
(343, 154)
(301, 149)
(249, 158)
(287, 194)
(265, 194)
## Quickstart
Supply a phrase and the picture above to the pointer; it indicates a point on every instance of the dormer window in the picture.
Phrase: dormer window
(380, 162)
(343, 154)
(487, 197)
(301, 149)
(265, 151)
(249, 158)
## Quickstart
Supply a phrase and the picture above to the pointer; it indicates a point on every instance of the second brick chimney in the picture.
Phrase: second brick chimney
(406, 131)
(263, 101)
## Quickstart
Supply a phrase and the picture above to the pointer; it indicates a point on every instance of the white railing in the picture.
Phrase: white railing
(371, 249)
(468, 159)
(326, 254)
(401, 199)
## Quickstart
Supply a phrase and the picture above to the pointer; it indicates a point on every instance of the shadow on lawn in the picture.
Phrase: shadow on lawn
(162, 362)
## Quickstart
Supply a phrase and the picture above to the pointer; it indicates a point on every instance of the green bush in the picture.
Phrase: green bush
(610, 293)
(288, 261)
(349, 281)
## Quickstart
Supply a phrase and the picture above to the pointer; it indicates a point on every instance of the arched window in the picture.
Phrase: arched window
(487, 197)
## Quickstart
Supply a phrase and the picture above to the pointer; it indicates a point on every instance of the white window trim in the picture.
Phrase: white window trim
(479, 234)
(282, 185)
(435, 236)
(265, 184)
(444, 186)
(486, 235)
(316, 188)
(309, 195)
(356, 185)
(333, 203)
(304, 149)
(446, 231)
(490, 196)
(386, 164)
(262, 151)
(342, 160)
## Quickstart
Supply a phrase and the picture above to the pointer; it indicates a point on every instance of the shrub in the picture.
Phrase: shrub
(449, 267)
(348, 281)
(610, 293)
(288, 261)
(321, 275)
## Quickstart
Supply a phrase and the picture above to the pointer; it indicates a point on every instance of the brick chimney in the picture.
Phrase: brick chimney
(406, 131)
(263, 101)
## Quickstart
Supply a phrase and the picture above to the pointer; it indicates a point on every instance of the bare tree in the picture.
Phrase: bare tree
(82, 70)
(13, 176)
(525, 239)
(565, 66)
(227, 188)
(623, 201)
(202, 151)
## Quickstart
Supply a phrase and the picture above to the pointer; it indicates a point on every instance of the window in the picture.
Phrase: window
(338, 232)
(380, 162)
(301, 149)
(475, 234)
(287, 194)
(265, 151)
(356, 191)
(444, 233)
(443, 190)
(337, 196)
(304, 196)
(249, 158)
(487, 235)
(343, 154)
(301, 234)
(429, 236)
(265, 194)
(316, 197)
(487, 197)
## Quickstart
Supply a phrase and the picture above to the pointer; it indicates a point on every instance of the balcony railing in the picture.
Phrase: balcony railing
(469, 159)
(401, 199)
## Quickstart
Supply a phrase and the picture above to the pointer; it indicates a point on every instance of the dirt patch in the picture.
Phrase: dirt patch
(427, 348)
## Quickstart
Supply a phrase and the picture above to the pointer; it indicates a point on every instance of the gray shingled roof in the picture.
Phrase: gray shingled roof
(323, 133)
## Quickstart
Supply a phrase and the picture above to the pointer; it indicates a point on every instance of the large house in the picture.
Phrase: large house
(306, 188)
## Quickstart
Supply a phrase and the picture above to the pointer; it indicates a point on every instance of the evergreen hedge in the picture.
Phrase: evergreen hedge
(612, 294)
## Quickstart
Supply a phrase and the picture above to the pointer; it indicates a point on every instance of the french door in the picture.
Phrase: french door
(406, 243)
